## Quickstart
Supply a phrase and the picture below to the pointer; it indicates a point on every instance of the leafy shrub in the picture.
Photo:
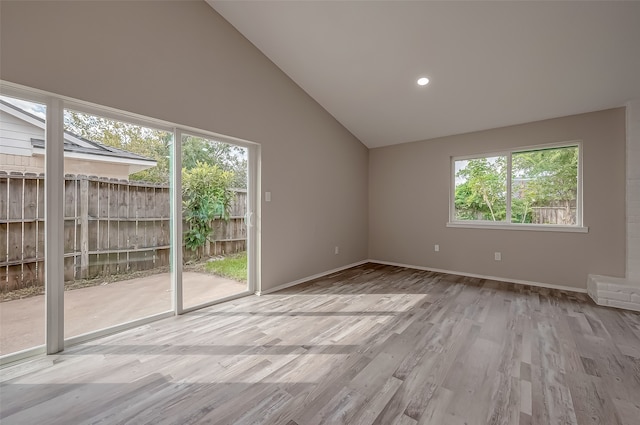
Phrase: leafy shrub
(205, 197)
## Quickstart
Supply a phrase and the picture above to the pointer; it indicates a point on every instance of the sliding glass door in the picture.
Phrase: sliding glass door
(109, 220)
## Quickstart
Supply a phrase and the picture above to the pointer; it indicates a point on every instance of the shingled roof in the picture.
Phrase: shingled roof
(78, 144)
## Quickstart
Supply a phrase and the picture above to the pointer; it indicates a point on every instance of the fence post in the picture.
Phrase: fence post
(84, 227)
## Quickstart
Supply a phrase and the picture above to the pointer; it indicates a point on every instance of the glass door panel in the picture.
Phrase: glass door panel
(22, 283)
(117, 222)
(215, 200)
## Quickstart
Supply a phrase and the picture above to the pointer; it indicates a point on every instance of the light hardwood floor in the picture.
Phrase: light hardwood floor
(370, 345)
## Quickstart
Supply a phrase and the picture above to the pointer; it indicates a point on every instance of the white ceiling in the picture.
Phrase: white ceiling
(491, 64)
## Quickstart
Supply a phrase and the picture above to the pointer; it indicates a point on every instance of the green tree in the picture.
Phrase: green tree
(226, 156)
(544, 178)
(481, 195)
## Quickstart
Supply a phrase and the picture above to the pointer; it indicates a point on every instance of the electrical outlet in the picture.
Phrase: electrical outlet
(498, 256)
(337, 250)
(436, 248)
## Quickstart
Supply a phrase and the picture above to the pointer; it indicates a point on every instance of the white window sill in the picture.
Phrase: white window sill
(516, 226)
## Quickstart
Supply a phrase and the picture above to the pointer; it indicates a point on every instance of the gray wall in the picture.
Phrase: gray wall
(409, 205)
(182, 62)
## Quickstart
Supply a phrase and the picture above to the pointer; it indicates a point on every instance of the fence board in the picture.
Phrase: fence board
(113, 235)
(93, 191)
(29, 275)
(40, 245)
(103, 199)
(14, 238)
(40, 273)
(103, 235)
(136, 206)
(3, 242)
(554, 215)
(69, 269)
(163, 202)
(14, 277)
(93, 235)
(150, 207)
(70, 198)
(30, 199)
(4, 197)
(123, 200)
(114, 198)
(69, 236)
(30, 241)
(15, 197)
(40, 190)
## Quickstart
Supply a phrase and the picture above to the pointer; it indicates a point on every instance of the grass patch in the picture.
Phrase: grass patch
(232, 267)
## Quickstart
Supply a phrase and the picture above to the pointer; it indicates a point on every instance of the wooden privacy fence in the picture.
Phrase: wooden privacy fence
(554, 215)
(110, 227)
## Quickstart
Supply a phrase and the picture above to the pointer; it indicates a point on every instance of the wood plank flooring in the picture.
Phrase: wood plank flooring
(371, 345)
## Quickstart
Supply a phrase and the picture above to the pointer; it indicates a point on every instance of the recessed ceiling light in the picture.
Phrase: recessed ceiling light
(423, 81)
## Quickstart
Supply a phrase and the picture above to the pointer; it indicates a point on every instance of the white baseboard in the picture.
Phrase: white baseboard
(308, 278)
(501, 279)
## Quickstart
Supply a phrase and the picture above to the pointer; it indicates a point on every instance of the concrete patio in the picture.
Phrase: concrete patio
(98, 307)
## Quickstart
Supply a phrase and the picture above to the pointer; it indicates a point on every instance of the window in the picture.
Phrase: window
(537, 188)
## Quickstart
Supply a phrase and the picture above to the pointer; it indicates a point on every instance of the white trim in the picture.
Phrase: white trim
(480, 276)
(215, 137)
(480, 156)
(518, 226)
(579, 194)
(312, 277)
(54, 227)
(9, 359)
(79, 339)
(254, 208)
(509, 186)
(24, 92)
(216, 301)
(175, 218)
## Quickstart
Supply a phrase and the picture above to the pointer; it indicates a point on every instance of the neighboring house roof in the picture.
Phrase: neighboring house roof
(100, 149)
(75, 144)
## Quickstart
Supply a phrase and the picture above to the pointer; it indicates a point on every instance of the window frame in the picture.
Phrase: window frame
(508, 224)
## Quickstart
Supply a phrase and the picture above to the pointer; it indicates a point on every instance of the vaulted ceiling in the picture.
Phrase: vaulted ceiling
(490, 64)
